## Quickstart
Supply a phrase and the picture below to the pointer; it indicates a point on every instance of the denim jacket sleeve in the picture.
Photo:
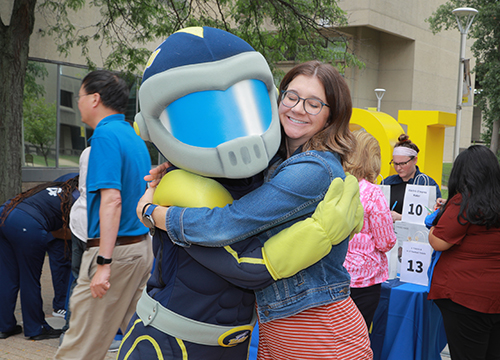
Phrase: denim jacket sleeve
(294, 190)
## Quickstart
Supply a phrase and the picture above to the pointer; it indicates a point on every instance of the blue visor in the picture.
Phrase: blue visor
(210, 118)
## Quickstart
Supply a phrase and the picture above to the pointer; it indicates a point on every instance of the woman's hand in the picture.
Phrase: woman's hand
(146, 198)
(156, 174)
(439, 203)
(395, 216)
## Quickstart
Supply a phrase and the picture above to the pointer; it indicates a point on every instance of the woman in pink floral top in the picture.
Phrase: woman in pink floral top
(366, 260)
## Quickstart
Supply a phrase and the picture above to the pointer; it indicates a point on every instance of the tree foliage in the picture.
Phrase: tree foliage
(485, 31)
(32, 89)
(281, 30)
(40, 126)
(39, 118)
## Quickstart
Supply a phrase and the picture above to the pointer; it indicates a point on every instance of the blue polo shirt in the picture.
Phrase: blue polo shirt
(119, 160)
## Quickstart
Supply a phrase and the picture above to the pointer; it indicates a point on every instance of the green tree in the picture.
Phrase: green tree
(279, 29)
(39, 118)
(32, 89)
(40, 125)
(485, 31)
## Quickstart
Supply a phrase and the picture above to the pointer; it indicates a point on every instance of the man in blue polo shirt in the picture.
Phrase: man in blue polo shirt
(118, 259)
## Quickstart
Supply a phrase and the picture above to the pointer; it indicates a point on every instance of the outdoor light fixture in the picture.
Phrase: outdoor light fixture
(464, 17)
(380, 94)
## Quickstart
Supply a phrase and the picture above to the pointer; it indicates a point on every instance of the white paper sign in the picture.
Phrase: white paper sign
(404, 232)
(417, 202)
(386, 190)
(415, 261)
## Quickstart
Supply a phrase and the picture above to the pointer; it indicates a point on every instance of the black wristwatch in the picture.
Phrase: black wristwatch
(147, 216)
(101, 260)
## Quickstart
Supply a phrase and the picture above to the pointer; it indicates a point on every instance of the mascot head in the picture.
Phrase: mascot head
(209, 104)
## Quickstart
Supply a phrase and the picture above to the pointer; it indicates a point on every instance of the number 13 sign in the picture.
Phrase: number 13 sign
(415, 262)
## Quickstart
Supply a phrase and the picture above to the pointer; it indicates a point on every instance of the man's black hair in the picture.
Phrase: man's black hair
(113, 90)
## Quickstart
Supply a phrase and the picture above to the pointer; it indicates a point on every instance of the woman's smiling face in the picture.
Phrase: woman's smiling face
(300, 126)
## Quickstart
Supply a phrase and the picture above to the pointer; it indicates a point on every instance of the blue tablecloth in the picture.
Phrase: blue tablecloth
(254, 344)
(406, 325)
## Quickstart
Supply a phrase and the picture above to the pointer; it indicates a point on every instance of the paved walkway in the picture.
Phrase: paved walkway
(19, 348)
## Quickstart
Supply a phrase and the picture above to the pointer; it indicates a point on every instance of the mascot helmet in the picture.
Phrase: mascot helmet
(209, 104)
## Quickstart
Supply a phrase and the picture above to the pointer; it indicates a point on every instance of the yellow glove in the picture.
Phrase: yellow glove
(338, 216)
(182, 188)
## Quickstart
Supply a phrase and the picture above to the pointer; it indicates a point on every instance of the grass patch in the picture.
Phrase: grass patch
(64, 161)
(444, 193)
(446, 173)
(444, 181)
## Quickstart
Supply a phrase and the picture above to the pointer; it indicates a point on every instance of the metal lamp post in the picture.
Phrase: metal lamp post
(464, 17)
(380, 94)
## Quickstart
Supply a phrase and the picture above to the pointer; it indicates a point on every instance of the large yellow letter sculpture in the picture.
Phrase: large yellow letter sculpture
(425, 128)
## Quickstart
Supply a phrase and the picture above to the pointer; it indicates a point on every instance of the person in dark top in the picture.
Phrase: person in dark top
(404, 160)
(26, 222)
(60, 266)
(465, 283)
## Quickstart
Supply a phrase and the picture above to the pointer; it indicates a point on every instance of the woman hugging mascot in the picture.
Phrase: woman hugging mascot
(209, 104)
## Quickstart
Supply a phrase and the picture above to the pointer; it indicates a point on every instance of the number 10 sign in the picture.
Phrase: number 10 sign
(418, 199)
(415, 262)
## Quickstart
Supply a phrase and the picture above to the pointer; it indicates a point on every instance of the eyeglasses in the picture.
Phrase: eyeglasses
(401, 163)
(77, 97)
(311, 106)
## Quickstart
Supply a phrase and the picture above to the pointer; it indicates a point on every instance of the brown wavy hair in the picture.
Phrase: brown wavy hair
(336, 136)
(365, 162)
(66, 196)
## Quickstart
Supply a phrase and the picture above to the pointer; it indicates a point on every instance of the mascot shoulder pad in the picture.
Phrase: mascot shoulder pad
(185, 189)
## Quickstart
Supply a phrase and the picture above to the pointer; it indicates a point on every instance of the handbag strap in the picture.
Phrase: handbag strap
(427, 181)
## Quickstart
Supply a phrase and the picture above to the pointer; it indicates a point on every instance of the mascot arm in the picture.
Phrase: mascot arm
(250, 265)
(338, 216)
(240, 264)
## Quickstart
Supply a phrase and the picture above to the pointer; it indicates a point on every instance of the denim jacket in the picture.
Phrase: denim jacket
(294, 190)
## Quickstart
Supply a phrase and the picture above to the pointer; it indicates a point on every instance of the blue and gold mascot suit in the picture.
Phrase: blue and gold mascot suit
(209, 104)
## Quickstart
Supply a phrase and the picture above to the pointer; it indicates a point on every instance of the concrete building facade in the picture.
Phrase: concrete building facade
(418, 70)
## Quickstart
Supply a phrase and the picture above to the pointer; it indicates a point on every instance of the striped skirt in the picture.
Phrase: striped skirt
(333, 331)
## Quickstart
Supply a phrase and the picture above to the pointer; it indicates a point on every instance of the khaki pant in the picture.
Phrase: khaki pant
(94, 322)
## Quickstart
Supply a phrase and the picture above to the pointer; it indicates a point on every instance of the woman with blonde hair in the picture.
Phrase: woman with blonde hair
(366, 261)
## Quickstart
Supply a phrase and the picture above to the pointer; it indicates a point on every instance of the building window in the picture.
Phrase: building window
(66, 98)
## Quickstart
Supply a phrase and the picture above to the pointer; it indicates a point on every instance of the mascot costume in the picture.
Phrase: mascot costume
(209, 104)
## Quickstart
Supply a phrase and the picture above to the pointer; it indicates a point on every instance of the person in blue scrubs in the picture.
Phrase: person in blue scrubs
(59, 251)
(26, 222)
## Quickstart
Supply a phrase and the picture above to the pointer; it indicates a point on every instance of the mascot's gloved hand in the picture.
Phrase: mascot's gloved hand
(338, 216)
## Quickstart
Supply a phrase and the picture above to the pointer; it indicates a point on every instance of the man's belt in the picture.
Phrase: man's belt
(120, 240)
(152, 313)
